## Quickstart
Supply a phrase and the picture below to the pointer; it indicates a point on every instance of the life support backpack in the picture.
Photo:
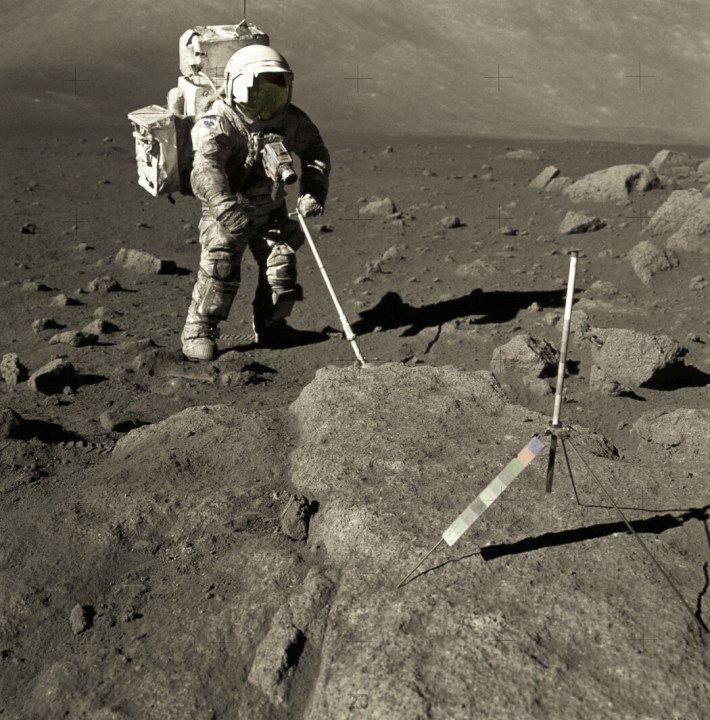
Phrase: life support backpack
(164, 152)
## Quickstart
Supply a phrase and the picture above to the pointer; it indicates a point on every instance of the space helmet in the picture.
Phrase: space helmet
(258, 83)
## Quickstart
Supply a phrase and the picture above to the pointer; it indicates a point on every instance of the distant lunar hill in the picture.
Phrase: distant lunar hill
(633, 71)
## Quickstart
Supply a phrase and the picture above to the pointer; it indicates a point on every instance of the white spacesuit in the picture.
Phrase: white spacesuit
(241, 204)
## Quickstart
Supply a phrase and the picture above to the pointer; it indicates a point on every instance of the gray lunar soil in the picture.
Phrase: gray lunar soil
(224, 540)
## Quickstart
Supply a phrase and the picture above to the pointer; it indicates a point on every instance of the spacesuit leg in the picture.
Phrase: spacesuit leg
(277, 289)
(218, 280)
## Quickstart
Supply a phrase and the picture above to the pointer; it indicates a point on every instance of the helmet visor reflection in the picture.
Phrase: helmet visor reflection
(267, 97)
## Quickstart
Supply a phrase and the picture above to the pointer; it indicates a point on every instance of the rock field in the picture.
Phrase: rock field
(224, 540)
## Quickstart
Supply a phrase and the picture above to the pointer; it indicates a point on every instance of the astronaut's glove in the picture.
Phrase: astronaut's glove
(308, 206)
(234, 216)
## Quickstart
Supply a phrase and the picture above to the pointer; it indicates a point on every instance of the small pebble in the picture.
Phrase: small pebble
(80, 618)
(450, 222)
(62, 300)
(35, 286)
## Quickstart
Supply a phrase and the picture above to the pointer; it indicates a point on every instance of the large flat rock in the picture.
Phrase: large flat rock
(528, 615)
(613, 184)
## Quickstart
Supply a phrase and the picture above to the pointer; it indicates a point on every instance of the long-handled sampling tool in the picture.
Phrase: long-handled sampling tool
(349, 334)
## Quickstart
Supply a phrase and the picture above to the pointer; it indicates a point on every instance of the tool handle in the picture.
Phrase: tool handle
(349, 334)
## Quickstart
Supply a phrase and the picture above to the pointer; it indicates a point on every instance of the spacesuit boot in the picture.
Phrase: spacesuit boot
(270, 328)
(199, 341)
(276, 293)
(216, 286)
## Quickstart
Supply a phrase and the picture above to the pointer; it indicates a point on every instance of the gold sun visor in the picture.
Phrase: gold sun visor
(268, 96)
(258, 82)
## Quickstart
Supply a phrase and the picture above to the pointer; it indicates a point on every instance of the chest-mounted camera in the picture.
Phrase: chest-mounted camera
(277, 161)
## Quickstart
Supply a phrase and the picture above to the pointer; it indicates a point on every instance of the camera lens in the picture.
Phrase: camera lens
(288, 176)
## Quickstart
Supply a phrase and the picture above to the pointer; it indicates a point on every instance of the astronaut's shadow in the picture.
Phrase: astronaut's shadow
(496, 306)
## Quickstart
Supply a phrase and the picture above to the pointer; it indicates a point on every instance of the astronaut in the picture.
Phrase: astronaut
(241, 204)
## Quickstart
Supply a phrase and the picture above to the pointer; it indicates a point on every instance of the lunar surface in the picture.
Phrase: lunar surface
(227, 539)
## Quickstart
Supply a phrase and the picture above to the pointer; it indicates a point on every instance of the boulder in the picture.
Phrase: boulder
(575, 222)
(62, 300)
(579, 322)
(99, 327)
(537, 386)
(697, 282)
(681, 434)
(393, 454)
(276, 658)
(237, 378)
(80, 618)
(155, 357)
(675, 211)
(558, 184)
(53, 377)
(104, 313)
(694, 234)
(476, 268)
(599, 382)
(75, 338)
(541, 181)
(378, 206)
(11, 424)
(602, 288)
(392, 253)
(105, 284)
(450, 222)
(294, 519)
(673, 163)
(522, 155)
(704, 170)
(648, 259)
(119, 421)
(525, 355)
(135, 345)
(144, 262)
(635, 359)
(293, 624)
(12, 370)
(614, 183)
(46, 324)
(35, 286)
